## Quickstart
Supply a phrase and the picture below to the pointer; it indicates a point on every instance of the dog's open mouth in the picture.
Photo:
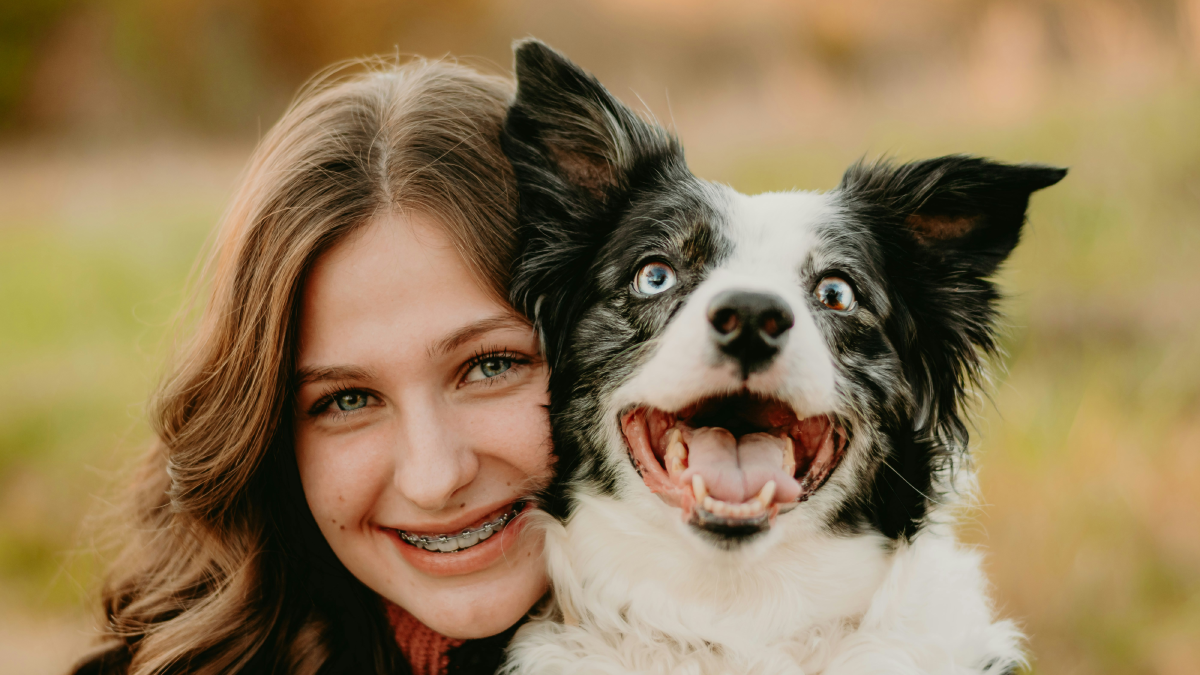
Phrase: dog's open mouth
(731, 463)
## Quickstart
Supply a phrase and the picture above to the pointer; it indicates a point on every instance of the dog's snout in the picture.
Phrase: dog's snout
(750, 326)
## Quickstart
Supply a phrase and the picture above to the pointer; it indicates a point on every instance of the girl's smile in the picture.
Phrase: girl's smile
(473, 548)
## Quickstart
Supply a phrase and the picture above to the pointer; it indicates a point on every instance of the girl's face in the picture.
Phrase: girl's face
(421, 414)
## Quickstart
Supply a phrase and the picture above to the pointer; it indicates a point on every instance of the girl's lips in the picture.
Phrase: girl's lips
(454, 527)
(474, 559)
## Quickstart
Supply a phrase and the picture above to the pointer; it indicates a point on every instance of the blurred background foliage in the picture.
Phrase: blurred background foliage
(124, 123)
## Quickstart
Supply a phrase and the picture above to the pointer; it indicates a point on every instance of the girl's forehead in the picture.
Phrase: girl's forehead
(395, 289)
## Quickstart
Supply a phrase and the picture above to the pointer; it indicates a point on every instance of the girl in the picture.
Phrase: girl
(347, 443)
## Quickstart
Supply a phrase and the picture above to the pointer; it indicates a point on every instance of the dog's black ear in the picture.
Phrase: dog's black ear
(967, 211)
(565, 121)
(577, 153)
(946, 224)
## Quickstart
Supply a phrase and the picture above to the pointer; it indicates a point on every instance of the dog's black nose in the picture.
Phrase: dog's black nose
(750, 326)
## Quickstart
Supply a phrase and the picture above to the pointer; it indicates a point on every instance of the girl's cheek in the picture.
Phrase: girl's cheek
(342, 480)
(526, 434)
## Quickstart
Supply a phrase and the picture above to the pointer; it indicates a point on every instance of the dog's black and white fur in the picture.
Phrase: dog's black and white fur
(863, 575)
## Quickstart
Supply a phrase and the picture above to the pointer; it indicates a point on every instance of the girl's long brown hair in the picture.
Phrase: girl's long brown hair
(225, 570)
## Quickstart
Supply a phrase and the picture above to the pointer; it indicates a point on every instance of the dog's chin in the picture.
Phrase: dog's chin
(732, 463)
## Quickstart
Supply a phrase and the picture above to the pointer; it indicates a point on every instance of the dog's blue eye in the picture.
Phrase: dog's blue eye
(835, 293)
(654, 279)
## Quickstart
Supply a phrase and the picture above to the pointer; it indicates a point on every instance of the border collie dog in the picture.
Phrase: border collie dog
(757, 401)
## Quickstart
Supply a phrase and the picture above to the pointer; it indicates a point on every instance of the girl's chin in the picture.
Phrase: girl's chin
(479, 606)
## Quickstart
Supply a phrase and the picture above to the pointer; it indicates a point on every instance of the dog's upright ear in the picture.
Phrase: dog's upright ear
(965, 211)
(565, 122)
(577, 152)
(947, 224)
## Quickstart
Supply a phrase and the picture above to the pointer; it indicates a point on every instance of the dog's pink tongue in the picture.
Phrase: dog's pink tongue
(736, 469)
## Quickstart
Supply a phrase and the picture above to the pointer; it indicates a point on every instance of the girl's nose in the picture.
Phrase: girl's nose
(433, 459)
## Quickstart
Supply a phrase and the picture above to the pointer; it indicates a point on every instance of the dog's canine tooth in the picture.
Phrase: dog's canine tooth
(699, 489)
(789, 456)
(767, 495)
(710, 504)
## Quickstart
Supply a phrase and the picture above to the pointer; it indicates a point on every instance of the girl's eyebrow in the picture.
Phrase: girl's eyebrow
(326, 373)
(471, 331)
(443, 346)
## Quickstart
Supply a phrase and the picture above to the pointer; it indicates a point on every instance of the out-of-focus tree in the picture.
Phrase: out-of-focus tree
(220, 63)
(229, 65)
(24, 27)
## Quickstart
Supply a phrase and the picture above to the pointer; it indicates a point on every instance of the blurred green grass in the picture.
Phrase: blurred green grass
(92, 265)
(1089, 448)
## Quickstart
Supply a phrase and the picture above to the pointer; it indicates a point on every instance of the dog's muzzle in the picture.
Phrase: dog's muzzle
(732, 463)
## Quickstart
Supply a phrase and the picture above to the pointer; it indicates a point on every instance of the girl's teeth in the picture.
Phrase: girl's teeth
(465, 540)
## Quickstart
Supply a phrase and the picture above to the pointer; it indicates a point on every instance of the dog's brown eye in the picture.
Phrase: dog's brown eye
(835, 293)
(654, 278)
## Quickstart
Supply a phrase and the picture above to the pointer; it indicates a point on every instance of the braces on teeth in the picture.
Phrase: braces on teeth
(465, 539)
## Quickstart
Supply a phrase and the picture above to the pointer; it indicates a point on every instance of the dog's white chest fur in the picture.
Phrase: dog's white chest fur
(813, 603)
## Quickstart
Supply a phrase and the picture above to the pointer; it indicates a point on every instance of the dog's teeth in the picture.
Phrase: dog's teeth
(724, 509)
(767, 495)
(675, 436)
(789, 456)
(674, 466)
(676, 453)
(699, 489)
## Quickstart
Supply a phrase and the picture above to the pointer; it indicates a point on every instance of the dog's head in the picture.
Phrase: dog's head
(745, 355)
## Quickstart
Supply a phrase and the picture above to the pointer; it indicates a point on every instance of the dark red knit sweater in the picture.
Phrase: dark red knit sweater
(426, 650)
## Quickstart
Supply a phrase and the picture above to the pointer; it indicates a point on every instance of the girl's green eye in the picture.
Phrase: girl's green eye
(493, 367)
(350, 400)
(489, 367)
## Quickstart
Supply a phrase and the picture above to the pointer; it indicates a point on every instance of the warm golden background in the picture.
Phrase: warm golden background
(123, 124)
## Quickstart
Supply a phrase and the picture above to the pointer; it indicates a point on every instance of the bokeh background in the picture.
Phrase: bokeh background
(124, 123)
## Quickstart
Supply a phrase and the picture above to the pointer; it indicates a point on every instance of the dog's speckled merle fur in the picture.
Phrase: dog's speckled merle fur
(603, 192)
